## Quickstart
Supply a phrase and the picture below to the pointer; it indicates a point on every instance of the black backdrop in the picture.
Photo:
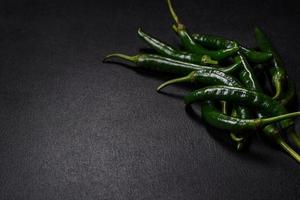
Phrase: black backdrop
(75, 128)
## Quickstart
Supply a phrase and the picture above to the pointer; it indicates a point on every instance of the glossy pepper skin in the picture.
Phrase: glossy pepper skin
(209, 77)
(289, 95)
(217, 42)
(245, 97)
(266, 104)
(163, 64)
(222, 121)
(190, 45)
(277, 70)
(237, 95)
(250, 82)
(204, 76)
(279, 78)
(170, 52)
(217, 119)
(225, 122)
(215, 77)
(247, 75)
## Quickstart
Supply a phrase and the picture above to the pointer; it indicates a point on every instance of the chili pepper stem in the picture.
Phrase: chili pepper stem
(123, 56)
(294, 136)
(207, 59)
(224, 107)
(287, 148)
(140, 31)
(178, 25)
(187, 78)
(173, 13)
(174, 27)
(266, 121)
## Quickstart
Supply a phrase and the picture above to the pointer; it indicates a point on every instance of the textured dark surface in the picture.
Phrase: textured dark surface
(72, 127)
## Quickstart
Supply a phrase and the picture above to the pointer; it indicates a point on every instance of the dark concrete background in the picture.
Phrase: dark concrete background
(72, 127)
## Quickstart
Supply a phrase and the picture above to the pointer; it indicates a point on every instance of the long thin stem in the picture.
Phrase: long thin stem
(176, 80)
(294, 136)
(224, 107)
(288, 149)
(266, 121)
(123, 56)
(173, 13)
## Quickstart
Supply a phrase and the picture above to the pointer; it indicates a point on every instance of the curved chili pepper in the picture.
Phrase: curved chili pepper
(208, 77)
(246, 97)
(169, 51)
(215, 118)
(213, 42)
(217, 42)
(289, 95)
(190, 44)
(225, 122)
(266, 104)
(239, 140)
(249, 80)
(246, 75)
(204, 76)
(214, 77)
(279, 76)
(277, 70)
(163, 64)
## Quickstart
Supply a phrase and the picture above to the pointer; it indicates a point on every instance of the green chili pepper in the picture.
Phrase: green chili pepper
(246, 75)
(169, 51)
(249, 80)
(245, 97)
(207, 77)
(267, 106)
(221, 121)
(213, 42)
(204, 76)
(214, 77)
(163, 64)
(211, 115)
(271, 113)
(217, 42)
(289, 95)
(240, 141)
(279, 77)
(191, 46)
(277, 70)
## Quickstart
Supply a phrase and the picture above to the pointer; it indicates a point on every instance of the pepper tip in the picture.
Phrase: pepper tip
(140, 31)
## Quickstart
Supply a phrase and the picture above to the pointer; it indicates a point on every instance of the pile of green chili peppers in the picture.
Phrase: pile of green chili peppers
(231, 98)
